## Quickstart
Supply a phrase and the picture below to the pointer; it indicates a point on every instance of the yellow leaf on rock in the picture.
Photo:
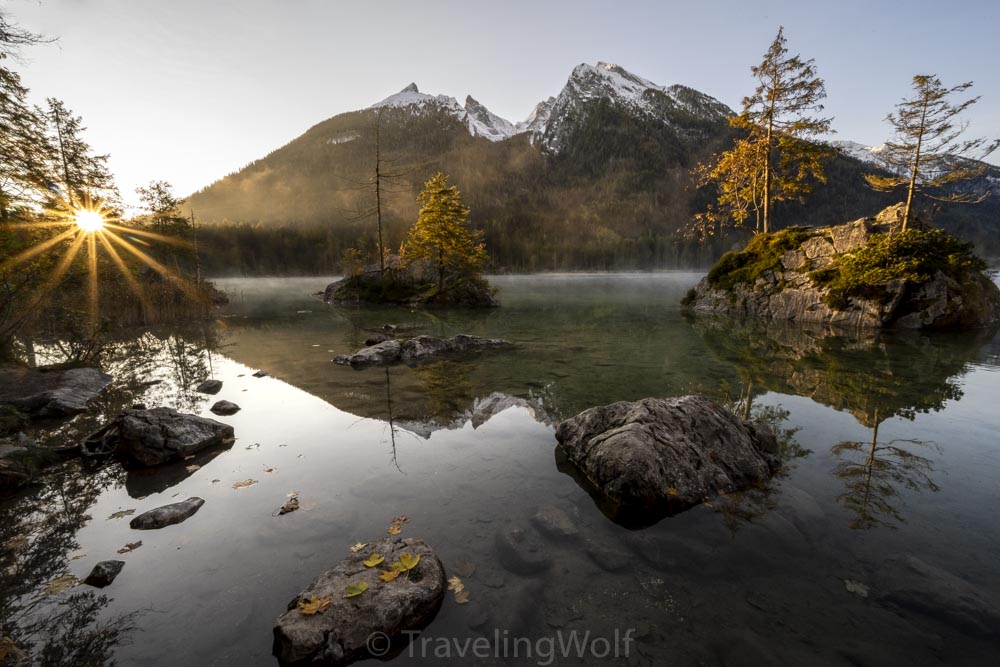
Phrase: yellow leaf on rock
(388, 575)
(354, 590)
(358, 547)
(314, 605)
(408, 561)
(373, 560)
(671, 491)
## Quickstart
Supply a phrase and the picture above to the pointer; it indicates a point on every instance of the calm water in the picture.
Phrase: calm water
(756, 578)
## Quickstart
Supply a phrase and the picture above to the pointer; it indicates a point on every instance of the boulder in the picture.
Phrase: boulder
(910, 583)
(672, 452)
(417, 349)
(209, 387)
(43, 392)
(155, 436)
(339, 635)
(104, 573)
(167, 515)
(225, 408)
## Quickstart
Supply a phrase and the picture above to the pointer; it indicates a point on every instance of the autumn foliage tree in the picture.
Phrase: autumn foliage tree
(927, 153)
(441, 235)
(778, 158)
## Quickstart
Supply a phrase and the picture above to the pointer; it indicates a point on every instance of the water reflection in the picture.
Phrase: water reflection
(874, 376)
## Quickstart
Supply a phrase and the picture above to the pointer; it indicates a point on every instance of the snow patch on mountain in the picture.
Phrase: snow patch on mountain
(411, 96)
(869, 154)
(484, 123)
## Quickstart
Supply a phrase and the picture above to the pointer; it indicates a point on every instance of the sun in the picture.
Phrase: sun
(89, 220)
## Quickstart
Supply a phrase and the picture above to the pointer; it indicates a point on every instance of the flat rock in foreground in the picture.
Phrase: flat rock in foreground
(416, 349)
(43, 392)
(667, 451)
(155, 436)
(338, 635)
(167, 515)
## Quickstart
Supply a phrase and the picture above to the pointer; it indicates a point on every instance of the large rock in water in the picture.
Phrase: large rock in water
(789, 291)
(339, 635)
(417, 349)
(672, 452)
(167, 515)
(42, 392)
(155, 436)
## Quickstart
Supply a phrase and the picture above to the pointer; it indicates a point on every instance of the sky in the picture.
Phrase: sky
(188, 91)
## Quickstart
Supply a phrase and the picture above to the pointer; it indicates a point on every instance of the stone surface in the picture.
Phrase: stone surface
(21, 460)
(674, 451)
(209, 387)
(555, 523)
(104, 573)
(41, 392)
(167, 515)
(790, 294)
(225, 408)
(417, 349)
(910, 583)
(521, 552)
(338, 635)
(155, 436)
(608, 558)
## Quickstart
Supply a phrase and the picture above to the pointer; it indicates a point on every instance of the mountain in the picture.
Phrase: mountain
(596, 177)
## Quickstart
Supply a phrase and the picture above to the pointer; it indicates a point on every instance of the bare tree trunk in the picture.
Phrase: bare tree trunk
(378, 190)
(915, 170)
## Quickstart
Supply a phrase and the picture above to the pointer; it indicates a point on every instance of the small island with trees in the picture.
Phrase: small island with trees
(440, 263)
(892, 269)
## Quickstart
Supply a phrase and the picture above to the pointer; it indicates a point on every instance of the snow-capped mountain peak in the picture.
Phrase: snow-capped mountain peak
(411, 96)
(484, 123)
(870, 154)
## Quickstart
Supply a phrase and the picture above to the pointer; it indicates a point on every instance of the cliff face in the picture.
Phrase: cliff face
(789, 278)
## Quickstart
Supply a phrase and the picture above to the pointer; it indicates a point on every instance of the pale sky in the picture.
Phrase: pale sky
(190, 90)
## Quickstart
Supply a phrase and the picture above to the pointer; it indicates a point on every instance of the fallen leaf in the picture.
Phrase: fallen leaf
(461, 597)
(244, 484)
(121, 514)
(856, 587)
(60, 584)
(189, 457)
(358, 547)
(465, 568)
(314, 605)
(192, 468)
(671, 491)
(394, 530)
(131, 546)
(268, 470)
(455, 584)
(388, 575)
(396, 525)
(354, 590)
(373, 560)
(408, 561)
(7, 647)
(215, 481)
(289, 505)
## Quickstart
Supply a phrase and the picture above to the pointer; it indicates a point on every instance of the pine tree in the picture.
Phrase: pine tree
(927, 152)
(441, 237)
(778, 159)
(85, 177)
(163, 206)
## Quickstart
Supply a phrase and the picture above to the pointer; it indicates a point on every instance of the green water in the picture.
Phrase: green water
(756, 577)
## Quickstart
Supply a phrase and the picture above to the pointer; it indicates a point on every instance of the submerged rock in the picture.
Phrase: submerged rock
(225, 408)
(339, 635)
(209, 387)
(21, 460)
(104, 573)
(167, 515)
(417, 349)
(41, 392)
(555, 523)
(521, 552)
(910, 583)
(152, 437)
(672, 452)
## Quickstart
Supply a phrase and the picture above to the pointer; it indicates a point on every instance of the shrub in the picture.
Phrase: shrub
(763, 253)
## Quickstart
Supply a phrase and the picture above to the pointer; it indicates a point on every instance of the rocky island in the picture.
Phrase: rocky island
(864, 273)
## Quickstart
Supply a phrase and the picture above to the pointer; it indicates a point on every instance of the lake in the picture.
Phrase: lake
(876, 545)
